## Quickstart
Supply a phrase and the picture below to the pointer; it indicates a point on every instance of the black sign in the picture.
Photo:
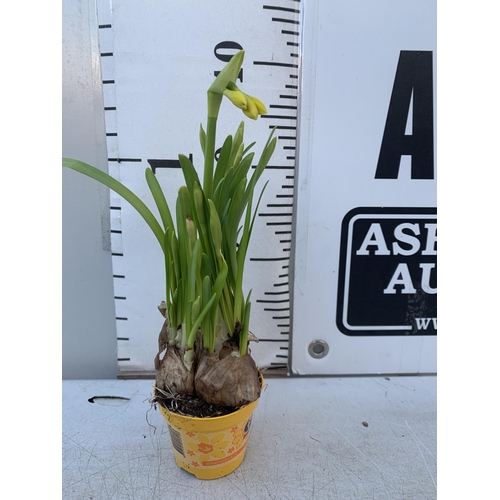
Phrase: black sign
(388, 272)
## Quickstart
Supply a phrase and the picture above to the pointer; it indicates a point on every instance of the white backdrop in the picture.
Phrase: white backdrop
(326, 71)
(158, 60)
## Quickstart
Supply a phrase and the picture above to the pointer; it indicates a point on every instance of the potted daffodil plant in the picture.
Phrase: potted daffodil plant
(207, 384)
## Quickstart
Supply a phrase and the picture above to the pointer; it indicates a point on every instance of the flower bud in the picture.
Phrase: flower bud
(251, 111)
(260, 106)
(237, 98)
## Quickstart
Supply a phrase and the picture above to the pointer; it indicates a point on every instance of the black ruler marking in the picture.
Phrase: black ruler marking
(267, 259)
(274, 63)
(274, 214)
(281, 284)
(282, 9)
(274, 340)
(125, 160)
(279, 117)
(273, 301)
(286, 21)
(280, 106)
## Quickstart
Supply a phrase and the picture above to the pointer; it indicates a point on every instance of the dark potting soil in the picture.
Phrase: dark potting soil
(192, 406)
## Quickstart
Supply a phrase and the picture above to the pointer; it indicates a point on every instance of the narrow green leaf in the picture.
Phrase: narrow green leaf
(215, 228)
(222, 162)
(203, 138)
(194, 271)
(201, 217)
(237, 142)
(190, 174)
(195, 311)
(196, 324)
(244, 327)
(174, 247)
(241, 170)
(120, 189)
(206, 330)
(206, 266)
(160, 200)
(183, 240)
(265, 157)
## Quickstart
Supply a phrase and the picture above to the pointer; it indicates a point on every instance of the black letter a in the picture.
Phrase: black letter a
(413, 75)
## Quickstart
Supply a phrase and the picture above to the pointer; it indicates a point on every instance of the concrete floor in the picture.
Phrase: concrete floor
(307, 441)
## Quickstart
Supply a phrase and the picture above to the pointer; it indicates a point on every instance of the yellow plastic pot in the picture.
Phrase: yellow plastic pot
(210, 448)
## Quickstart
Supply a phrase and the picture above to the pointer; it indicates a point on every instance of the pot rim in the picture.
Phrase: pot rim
(212, 419)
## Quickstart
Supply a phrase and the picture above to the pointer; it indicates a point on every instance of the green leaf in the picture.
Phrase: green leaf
(223, 161)
(202, 221)
(194, 271)
(120, 189)
(215, 228)
(241, 170)
(264, 158)
(244, 327)
(236, 148)
(190, 174)
(160, 200)
(191, 337)
(203, 138)
(208, 334)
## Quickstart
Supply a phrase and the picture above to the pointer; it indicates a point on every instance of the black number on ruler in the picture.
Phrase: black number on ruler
(231, 46)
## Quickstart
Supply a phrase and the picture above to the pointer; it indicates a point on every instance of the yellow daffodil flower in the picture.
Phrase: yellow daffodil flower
(237, 98)
(251, 109)
(251, 106)
(260, 105)
(224, 85)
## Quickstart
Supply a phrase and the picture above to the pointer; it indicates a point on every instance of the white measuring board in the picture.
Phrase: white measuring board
(158, 59)
(364, 293)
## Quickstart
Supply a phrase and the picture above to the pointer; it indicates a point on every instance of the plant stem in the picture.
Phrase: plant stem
(208, 173)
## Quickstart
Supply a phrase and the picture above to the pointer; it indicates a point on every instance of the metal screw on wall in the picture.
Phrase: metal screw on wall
(318, 349)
